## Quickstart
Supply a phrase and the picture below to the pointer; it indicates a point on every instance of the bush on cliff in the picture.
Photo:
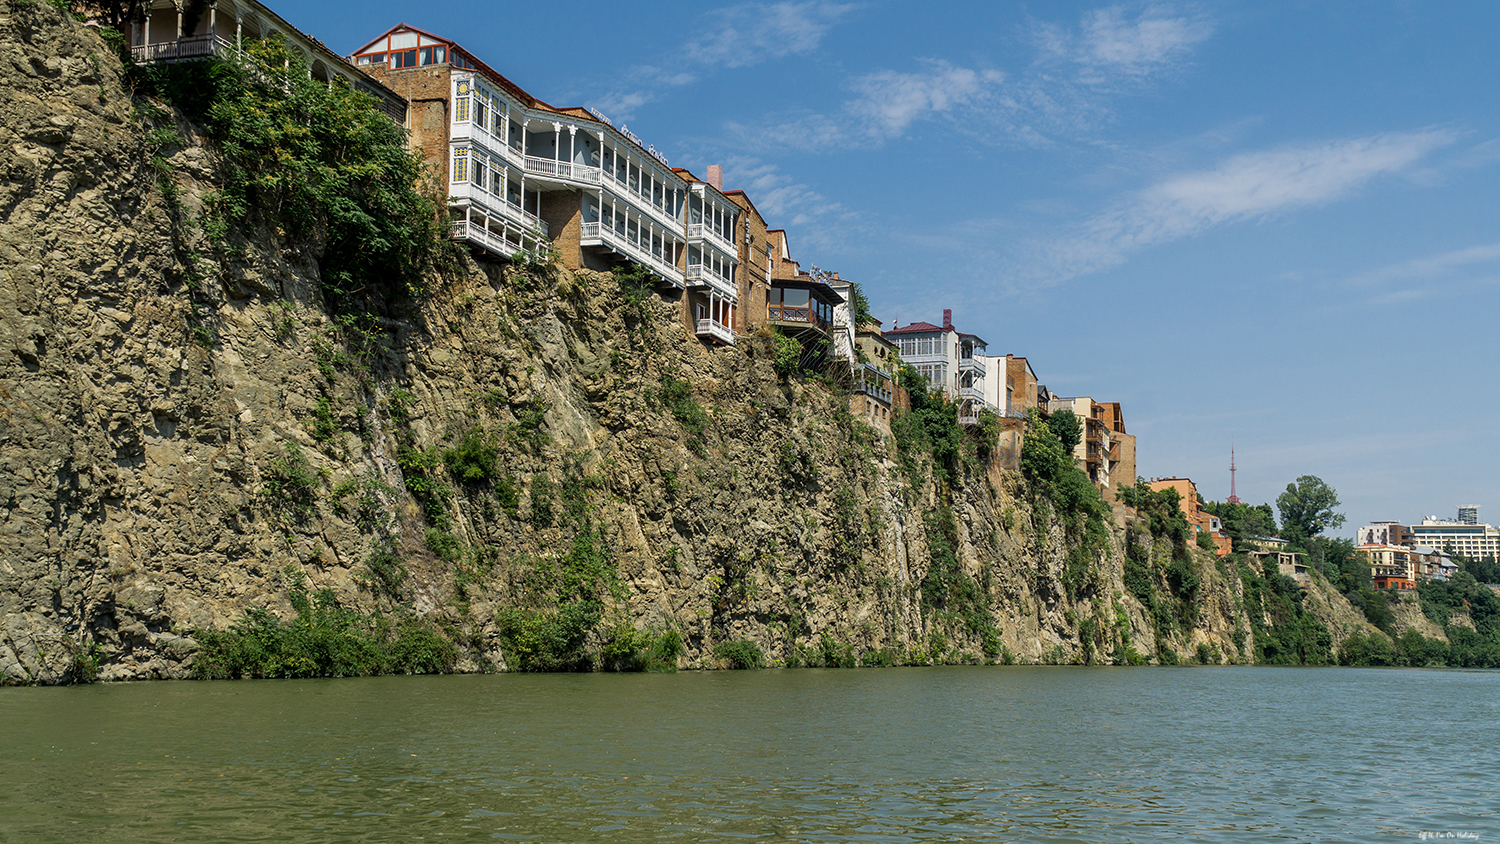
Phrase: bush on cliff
(322, 162)
(326, 639)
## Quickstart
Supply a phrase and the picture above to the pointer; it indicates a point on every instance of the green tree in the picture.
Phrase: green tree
(1307, 508)
(1067, 427)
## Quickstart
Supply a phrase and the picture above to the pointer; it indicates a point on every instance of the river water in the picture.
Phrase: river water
(915, 754)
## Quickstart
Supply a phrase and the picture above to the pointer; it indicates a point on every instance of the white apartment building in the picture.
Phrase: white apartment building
(521, 173)
(1471, 540)
(950, 360)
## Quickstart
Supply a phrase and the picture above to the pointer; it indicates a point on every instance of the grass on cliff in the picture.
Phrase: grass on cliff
(323, 163)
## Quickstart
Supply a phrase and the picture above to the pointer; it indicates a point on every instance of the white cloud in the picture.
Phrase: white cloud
(890, 101)
(1246, 187)
(887, 104)
(1154, 39)
(753, 33)
(790, 204)
(647, 82)
(1432, 266)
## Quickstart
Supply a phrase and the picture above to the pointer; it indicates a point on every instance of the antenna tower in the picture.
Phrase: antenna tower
(1233, 498)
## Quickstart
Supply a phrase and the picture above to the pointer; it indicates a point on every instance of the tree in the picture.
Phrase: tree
(1307, 508)
(1067, 427)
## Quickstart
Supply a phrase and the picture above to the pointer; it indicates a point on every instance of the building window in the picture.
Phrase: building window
(404, 58)
(461, 165)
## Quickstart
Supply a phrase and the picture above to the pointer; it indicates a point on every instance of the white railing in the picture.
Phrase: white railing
(593, 234)
(493, 205)
(562, 169)
(973, 393)
(968, 420)
(494, 242)
(703, 231)
(191, 47)
(971, 364)
(717, 330)
(640, 203)
(704, 274)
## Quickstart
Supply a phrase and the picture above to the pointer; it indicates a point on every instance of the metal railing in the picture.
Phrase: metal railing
(717, 330)
(788, 313)
(971, 363)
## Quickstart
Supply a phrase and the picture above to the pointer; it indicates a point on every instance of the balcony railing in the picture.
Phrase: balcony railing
(968, 419)
(507, 242)
(717, 330)
(875, 390)
(789, 313)
(702, 231)
(703, 274)
(971, 365)
(640, 203)
(593, 234)
(493, 205)
(973, 393)
(562, 170)
(191, 47)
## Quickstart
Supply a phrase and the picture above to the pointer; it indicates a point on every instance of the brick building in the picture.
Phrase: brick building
(1199, 520)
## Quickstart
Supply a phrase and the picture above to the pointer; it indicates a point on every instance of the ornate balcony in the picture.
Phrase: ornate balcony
(549, 168)
(703, 275)
(971, 365)
(715, 330)
(701, 231)
(183, 49)
(593, 234)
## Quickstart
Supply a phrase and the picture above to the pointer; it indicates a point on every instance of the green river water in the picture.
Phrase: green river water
(937, 754)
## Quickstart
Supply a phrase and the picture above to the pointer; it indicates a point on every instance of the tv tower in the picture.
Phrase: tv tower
(1233, 498)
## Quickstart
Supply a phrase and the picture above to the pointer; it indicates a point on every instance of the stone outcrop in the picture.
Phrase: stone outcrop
(148, 401)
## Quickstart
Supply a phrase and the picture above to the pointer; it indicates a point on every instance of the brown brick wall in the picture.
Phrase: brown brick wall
(427, 90)
(1023, 392)
(562, 210)
(753, 277)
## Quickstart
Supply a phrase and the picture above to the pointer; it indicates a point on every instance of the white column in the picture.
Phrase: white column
(572, 143)
(213, 25)
(556, 141)
(179, 21)
(239, 27)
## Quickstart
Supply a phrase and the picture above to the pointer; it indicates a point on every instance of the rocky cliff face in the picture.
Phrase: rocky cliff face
(179, 438)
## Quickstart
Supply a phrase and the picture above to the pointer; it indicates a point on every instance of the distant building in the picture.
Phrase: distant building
(1106, 451)
(1383, 533)
(1199, 520)
(951, 361)
(1473, 540)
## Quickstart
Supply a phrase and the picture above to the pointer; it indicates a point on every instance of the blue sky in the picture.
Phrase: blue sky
(1271, 224)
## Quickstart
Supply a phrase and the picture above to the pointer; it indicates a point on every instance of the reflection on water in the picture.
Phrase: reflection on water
(944, 754)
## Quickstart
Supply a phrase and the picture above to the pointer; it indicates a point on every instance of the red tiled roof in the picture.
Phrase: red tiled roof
(916, 328)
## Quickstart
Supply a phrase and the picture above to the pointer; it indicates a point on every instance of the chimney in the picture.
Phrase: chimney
(716, 176)
(947, 319)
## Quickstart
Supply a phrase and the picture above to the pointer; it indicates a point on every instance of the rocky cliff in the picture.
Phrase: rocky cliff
(184, 438)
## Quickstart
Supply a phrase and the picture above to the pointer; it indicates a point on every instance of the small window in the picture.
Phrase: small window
(373, 58)
(405, 58)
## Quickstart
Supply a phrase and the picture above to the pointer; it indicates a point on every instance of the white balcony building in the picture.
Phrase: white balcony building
(520, 172)
(951, 361)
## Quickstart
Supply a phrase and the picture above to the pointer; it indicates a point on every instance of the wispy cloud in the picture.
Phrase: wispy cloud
(739, 36)
(753, 33)
(1247, 187)
(788, 203)
(1114, 41)
(885, 106)
(1433, 275)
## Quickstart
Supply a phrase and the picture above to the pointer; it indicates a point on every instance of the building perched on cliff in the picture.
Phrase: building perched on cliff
(1199, 520)
(169, 33)
(950, 360)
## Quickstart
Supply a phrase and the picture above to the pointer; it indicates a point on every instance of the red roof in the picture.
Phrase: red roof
(916, 328)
